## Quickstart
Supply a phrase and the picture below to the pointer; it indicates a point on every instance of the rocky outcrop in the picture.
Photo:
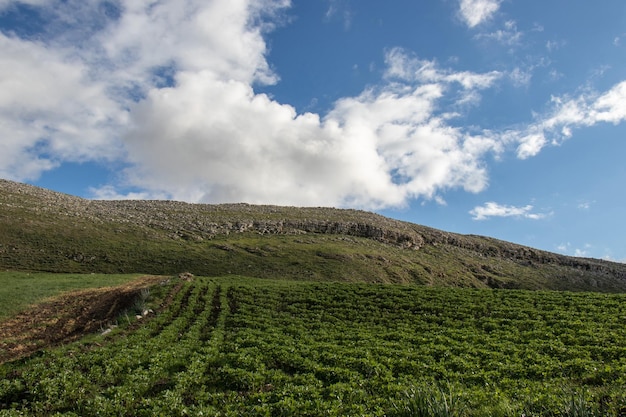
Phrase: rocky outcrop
(203, 221)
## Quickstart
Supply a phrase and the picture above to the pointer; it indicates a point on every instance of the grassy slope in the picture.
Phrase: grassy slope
(18, 290)
(45, 231)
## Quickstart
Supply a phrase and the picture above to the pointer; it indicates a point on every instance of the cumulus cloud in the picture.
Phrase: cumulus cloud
(493, 209)
(475, 12)
(51, 110)
(376, 149)
(249, 148)
(223, 37)
(169, 91)
(67, 97)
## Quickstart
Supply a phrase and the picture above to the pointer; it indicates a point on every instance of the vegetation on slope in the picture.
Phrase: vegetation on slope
(236, 346)
(18, 290)
(46, 231)
(43, 310)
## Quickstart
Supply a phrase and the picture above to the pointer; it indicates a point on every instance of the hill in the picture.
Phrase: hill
(47, 231)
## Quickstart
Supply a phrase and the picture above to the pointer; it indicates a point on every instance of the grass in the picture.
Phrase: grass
(18, 290)
(428, 402)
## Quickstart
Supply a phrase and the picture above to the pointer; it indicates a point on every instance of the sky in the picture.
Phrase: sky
(502, 118)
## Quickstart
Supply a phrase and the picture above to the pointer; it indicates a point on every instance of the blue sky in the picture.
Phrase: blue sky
(502, 118)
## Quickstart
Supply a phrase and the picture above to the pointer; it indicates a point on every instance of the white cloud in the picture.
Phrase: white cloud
(205, 135)
(67, 97)
(108, 192)
(554, 45)
(583, 252)
(585, 205)
(530, 144)
(520, 77)
(249, 148)
(51, 110)
(376, 149)
(568, 114)
(609, 107)
(587, 251)
(402, 65)
(563, 247)
(508, 36)
(493, 209)
(338, 7)
(6, 3)
(217, 36)
(475, 12)
(555, 75)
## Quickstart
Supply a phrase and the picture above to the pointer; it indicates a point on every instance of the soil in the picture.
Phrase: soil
(67, 317)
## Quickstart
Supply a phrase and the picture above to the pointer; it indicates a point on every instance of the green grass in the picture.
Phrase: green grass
(18, 290)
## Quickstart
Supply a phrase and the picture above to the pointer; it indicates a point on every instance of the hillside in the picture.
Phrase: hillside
(48, 231)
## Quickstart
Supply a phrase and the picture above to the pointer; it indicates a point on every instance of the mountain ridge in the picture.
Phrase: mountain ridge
(46, 230)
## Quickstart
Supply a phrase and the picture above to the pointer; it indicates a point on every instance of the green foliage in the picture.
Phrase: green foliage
(240, 346)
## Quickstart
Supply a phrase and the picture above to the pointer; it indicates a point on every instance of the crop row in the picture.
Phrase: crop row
(126, 373)
(497, 348)
(235, 346)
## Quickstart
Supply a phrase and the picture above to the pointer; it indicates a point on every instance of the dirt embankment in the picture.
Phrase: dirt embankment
(67, 317)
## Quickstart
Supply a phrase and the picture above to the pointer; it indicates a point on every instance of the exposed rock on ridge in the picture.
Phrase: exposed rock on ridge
(41, 229)
(206, 220)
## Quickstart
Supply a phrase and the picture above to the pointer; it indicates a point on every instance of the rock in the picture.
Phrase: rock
(185, 276)
(108, 330)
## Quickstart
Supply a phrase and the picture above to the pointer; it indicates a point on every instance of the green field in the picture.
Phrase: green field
(251, 347)
(18, 290)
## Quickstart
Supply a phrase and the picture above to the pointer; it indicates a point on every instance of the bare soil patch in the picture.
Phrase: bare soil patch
(67, 317)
